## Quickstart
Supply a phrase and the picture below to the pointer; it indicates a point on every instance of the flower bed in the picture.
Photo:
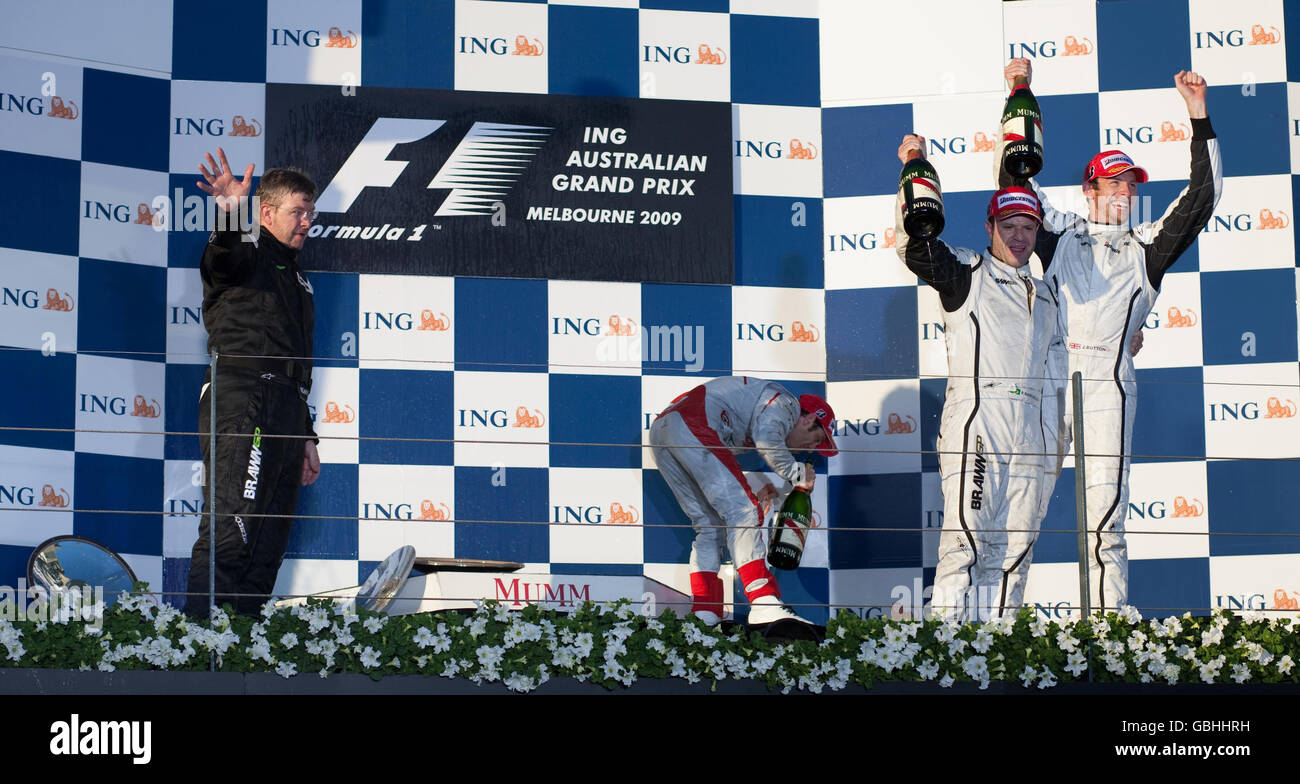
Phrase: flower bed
(613, 646)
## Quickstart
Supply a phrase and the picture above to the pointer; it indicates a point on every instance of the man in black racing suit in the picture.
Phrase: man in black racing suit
(258, 310)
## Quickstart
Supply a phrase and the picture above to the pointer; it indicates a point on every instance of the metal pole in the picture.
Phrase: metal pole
(1081, 504)
(212, 497)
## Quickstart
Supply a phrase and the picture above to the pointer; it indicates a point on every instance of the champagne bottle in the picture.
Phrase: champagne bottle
(1022, 132)
(922, 199)
(790, 530)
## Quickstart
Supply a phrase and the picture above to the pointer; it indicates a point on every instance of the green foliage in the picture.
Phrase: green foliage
(613, 646)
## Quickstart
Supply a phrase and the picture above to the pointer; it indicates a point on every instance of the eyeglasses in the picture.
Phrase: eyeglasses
(299, 213)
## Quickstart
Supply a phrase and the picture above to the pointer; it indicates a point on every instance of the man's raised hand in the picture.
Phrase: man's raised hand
(221, 182)
(1192, 87)
(911, 142)
(1019, 67)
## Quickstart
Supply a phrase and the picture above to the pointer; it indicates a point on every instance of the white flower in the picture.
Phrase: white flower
(1241, 672)
(1076, 663)
(1038, 628)
(1285, 664)
(1170, 673)
(369, 658)
(450, 669)
(983, 640)
(1046, 679)
(501, 614)
(946, 681)
(1067, 642)
(268, 609)
(1130, 613)
(763, 663)
(1100, 625)
(519, 682)
(1210, 670)
(1212, 636)
(654, 625)
(374, 623)
(928, 669)
(286, 669)
(656, 645)
(1027, 677)
(977, 667)
(422, 661)
(289, 640)
(956, 647)
(945, 633)
(1136, 640)
(477, 625)
(423, 637)
(1114, 664)
(317, 619)
(490, 655)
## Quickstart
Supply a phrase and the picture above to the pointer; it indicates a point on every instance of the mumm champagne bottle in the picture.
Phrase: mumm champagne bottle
(790, 531)
(1022, 133)
(922, 199)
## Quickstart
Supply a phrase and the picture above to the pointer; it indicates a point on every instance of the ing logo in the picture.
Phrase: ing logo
(1277, 409)
(525, 418)
(241, 127)
(1284, 600)
(804, 334)
(897, 426)
(431, 511)
(707, 55)
(889, 238)
(1267, 220)
(337, 415)
(1174, 133)
(619, 327)
(1185, 508)
(144, 409)
(53, 301)
(623, 515)
(1261, 37)
(1176, 318)
(800, 151)
(431, 322)
(49, 498)
(66, 110)
(147, 217)
(1074, 47)
(526, 48)
(337, 40)
(983, 143)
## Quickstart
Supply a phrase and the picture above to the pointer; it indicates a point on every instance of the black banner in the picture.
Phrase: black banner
(436, 182)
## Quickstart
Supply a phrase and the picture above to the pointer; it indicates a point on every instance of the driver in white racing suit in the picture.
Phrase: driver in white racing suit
(1106, 271)
(998, 323)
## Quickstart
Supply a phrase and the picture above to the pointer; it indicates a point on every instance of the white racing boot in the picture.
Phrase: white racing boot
(709, 617)
(769, 609)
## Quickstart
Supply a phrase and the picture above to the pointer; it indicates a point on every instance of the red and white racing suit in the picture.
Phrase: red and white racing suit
(694, 442)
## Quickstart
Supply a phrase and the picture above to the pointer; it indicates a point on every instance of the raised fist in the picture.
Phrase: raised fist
(911, 143)
(1019, 67)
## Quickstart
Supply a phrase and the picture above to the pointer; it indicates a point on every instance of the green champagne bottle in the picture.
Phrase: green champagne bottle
(790, 531)
(922, 199)
(1022, 131)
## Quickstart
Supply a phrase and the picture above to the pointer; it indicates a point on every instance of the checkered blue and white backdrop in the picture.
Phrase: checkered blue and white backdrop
(100, 315)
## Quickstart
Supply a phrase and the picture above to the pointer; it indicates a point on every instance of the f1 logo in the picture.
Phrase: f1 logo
(472, 161)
